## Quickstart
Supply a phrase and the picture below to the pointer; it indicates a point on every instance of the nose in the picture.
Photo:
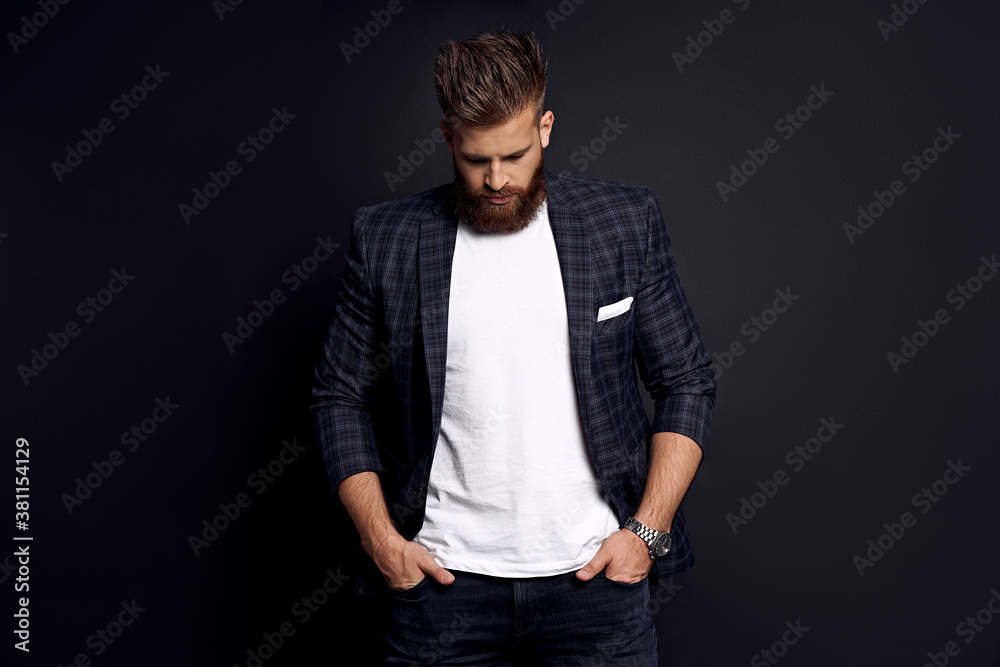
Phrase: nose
(496, 179)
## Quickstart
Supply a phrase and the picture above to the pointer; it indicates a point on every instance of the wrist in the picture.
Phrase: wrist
(379, 539)
(657, 542)
(635, 542)
(658, 523)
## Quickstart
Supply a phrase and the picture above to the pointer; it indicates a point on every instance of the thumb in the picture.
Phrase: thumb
(432, 569)
(443, 576)
(596, 564)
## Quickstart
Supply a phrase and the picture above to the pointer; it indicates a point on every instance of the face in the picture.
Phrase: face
(499, 180)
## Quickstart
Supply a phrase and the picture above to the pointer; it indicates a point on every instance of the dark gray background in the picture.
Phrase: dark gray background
(825, 357)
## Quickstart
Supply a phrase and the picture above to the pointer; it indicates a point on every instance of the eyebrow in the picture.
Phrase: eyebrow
(515, 154)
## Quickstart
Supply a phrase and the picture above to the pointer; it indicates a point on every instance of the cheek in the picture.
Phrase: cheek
(523, 174)
(473, 178)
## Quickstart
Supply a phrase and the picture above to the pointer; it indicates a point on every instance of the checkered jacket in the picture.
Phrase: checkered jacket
(380, 382)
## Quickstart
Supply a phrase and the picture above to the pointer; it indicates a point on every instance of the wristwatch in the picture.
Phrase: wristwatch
(659, 543)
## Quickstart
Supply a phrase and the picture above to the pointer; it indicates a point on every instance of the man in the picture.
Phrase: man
(477, 405)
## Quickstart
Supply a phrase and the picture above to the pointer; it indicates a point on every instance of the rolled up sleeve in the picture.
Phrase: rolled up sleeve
(672, 361)
(342, 395)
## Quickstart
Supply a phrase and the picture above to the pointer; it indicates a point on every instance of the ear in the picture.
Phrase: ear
(446, 131)
(545, 128)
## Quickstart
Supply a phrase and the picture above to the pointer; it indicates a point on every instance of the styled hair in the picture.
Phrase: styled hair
(490, 79)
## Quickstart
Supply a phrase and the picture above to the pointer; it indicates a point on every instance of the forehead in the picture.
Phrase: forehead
(516, 134)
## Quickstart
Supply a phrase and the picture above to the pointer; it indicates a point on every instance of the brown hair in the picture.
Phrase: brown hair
(490, 79)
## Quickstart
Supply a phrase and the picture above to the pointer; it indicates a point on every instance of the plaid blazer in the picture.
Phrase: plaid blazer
(380, 381)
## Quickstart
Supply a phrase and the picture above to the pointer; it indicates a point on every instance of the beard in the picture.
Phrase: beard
(513, 216)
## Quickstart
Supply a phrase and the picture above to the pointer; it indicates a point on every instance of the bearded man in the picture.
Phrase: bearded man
(477, 404)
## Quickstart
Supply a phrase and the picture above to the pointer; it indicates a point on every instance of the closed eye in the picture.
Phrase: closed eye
(480, 159)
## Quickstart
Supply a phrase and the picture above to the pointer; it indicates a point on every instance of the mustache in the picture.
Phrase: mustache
(505, 191)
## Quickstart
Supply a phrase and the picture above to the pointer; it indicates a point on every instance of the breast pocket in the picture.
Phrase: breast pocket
(613, 317)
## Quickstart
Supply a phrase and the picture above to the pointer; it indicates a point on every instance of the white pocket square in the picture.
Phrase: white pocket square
(614, 309)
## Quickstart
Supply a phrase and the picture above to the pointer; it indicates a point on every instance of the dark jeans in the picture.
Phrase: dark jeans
(557, 620)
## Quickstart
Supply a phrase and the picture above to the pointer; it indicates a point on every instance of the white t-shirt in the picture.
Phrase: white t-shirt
(513, 491)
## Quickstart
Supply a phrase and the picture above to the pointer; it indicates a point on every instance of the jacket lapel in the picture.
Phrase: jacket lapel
(572, 237)
(435, 253)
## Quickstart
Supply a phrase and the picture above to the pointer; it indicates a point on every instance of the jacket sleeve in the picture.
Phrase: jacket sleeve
(670, 356)
(342, 395)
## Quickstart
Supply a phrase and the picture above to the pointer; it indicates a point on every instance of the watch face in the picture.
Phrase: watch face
(662, 546)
